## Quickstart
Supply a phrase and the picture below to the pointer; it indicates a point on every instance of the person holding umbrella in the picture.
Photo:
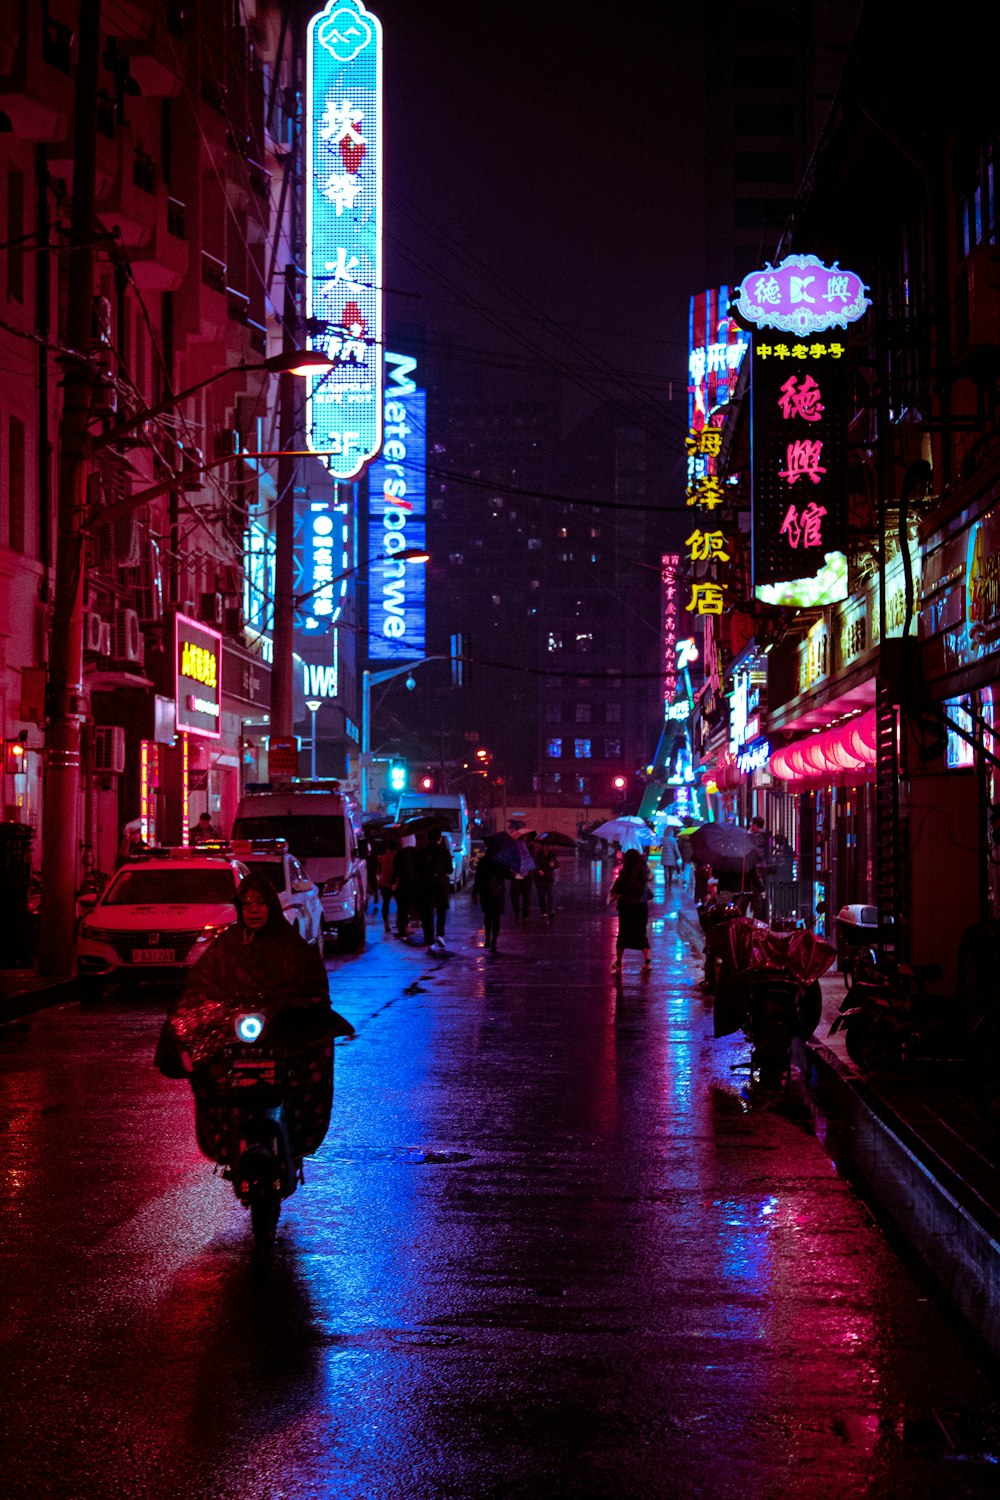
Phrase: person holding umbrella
(632, 894)
(488, 887)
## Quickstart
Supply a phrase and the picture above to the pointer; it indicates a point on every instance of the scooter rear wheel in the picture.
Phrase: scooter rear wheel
(264, 1210)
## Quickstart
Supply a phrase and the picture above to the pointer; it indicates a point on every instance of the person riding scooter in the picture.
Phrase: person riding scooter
(260, 961)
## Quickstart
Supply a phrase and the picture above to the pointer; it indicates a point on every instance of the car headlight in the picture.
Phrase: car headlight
(208, 933)
(98, 934)
(332, 887)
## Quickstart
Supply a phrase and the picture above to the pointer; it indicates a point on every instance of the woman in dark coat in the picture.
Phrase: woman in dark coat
(632, 894)
(260, 962)
(488, 889)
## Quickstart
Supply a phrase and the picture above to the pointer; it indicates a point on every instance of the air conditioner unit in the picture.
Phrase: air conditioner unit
(210, 609)
(93, 637)
(127, 644)
(109, 749)
(232, 621)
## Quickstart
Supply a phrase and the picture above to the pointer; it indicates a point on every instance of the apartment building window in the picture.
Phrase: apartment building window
(585, 640)
(583, 713)
(553, 748)
(612, 749)
(582, 749)
(553, 713)
(555, 641)
(612, 713)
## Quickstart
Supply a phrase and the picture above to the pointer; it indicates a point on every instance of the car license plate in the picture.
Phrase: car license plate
(152, 955)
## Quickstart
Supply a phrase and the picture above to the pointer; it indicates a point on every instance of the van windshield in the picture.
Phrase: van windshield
(312, 837)
(448, 817)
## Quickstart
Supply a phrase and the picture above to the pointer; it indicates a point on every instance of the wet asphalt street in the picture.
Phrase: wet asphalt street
(545, 1251)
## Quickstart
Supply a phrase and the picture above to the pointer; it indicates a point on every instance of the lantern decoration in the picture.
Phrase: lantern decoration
(849, 749)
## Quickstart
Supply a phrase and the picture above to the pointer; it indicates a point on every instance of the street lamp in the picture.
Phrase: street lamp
(313, 706)
(368, 681)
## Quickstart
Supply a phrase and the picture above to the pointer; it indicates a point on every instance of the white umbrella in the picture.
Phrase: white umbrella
(629, 831)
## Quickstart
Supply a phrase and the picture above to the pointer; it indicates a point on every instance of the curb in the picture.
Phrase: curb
(35, 996)
(954, 1230)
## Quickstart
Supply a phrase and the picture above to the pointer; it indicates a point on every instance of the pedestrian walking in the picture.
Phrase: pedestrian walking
(520, 894)
(433, 886)
(632, 895)
(488, 892)
(670, 856)
(546, 865)
(386, 882)
(405, 875)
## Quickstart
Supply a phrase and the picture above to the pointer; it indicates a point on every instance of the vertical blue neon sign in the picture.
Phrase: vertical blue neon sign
(397, 520)
(344, 233)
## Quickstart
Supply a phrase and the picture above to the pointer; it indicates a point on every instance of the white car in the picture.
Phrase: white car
(155, 918)
(299, 896)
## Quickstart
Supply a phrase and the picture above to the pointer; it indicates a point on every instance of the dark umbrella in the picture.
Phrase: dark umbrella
(728, 849)
(423, 824)
(505, 850)
(556, 840)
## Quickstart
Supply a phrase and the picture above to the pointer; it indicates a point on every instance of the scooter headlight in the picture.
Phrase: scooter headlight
(249, 1026)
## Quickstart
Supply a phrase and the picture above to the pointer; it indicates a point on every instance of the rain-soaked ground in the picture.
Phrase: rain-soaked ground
(545, 1251)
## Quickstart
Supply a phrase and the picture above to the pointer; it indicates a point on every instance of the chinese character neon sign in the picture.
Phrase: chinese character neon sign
(802, 295)
(798, 458)
(344, 233)
(668, 587)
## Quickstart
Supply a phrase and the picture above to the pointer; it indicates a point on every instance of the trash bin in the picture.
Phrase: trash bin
(15, 875)
(857, 927)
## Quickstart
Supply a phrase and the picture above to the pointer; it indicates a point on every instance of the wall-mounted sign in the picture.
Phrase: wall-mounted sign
(322, 555)
(668, 600)
(803, 296)
(397, 521)
(344, 233)
(798, 404)
(716, 346)
(197, 677)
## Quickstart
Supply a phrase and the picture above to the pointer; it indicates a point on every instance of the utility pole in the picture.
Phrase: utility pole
(66, 702)
(282, 722)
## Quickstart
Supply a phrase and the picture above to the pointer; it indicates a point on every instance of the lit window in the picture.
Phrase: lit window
(563, 532)
(584, 641)
(496, 600)
(553, 749)
(457, 558)
(555, 642)
(534, 544)
(581, 749)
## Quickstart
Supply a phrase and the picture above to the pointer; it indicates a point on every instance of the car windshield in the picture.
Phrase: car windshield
(152, 887)
(310, 837)
(448, 817)
(270, 869)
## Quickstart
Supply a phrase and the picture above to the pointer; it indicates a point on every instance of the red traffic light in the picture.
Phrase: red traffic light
(427, 783)
(15, 757)
(619, 783)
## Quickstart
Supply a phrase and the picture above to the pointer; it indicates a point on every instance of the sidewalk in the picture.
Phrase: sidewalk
(923, 1155)
(25, 990)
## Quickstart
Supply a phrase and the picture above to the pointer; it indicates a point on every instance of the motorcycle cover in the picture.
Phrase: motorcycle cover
(746, 947)
(205, 1030)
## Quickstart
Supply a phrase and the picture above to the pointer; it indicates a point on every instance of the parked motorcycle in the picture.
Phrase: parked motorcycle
(263, 1093)
(889, 1019)
(769, 986)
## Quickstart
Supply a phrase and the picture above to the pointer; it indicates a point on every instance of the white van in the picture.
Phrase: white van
(322, 829)
(452, 810)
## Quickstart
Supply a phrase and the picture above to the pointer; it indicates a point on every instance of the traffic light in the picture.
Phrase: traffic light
(15, 757)
(427, 782)
(397, 776)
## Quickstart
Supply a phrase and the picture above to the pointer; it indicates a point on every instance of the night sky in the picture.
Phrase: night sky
(544, 188)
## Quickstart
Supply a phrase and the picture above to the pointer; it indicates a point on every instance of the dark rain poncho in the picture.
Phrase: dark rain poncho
(274, 966)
